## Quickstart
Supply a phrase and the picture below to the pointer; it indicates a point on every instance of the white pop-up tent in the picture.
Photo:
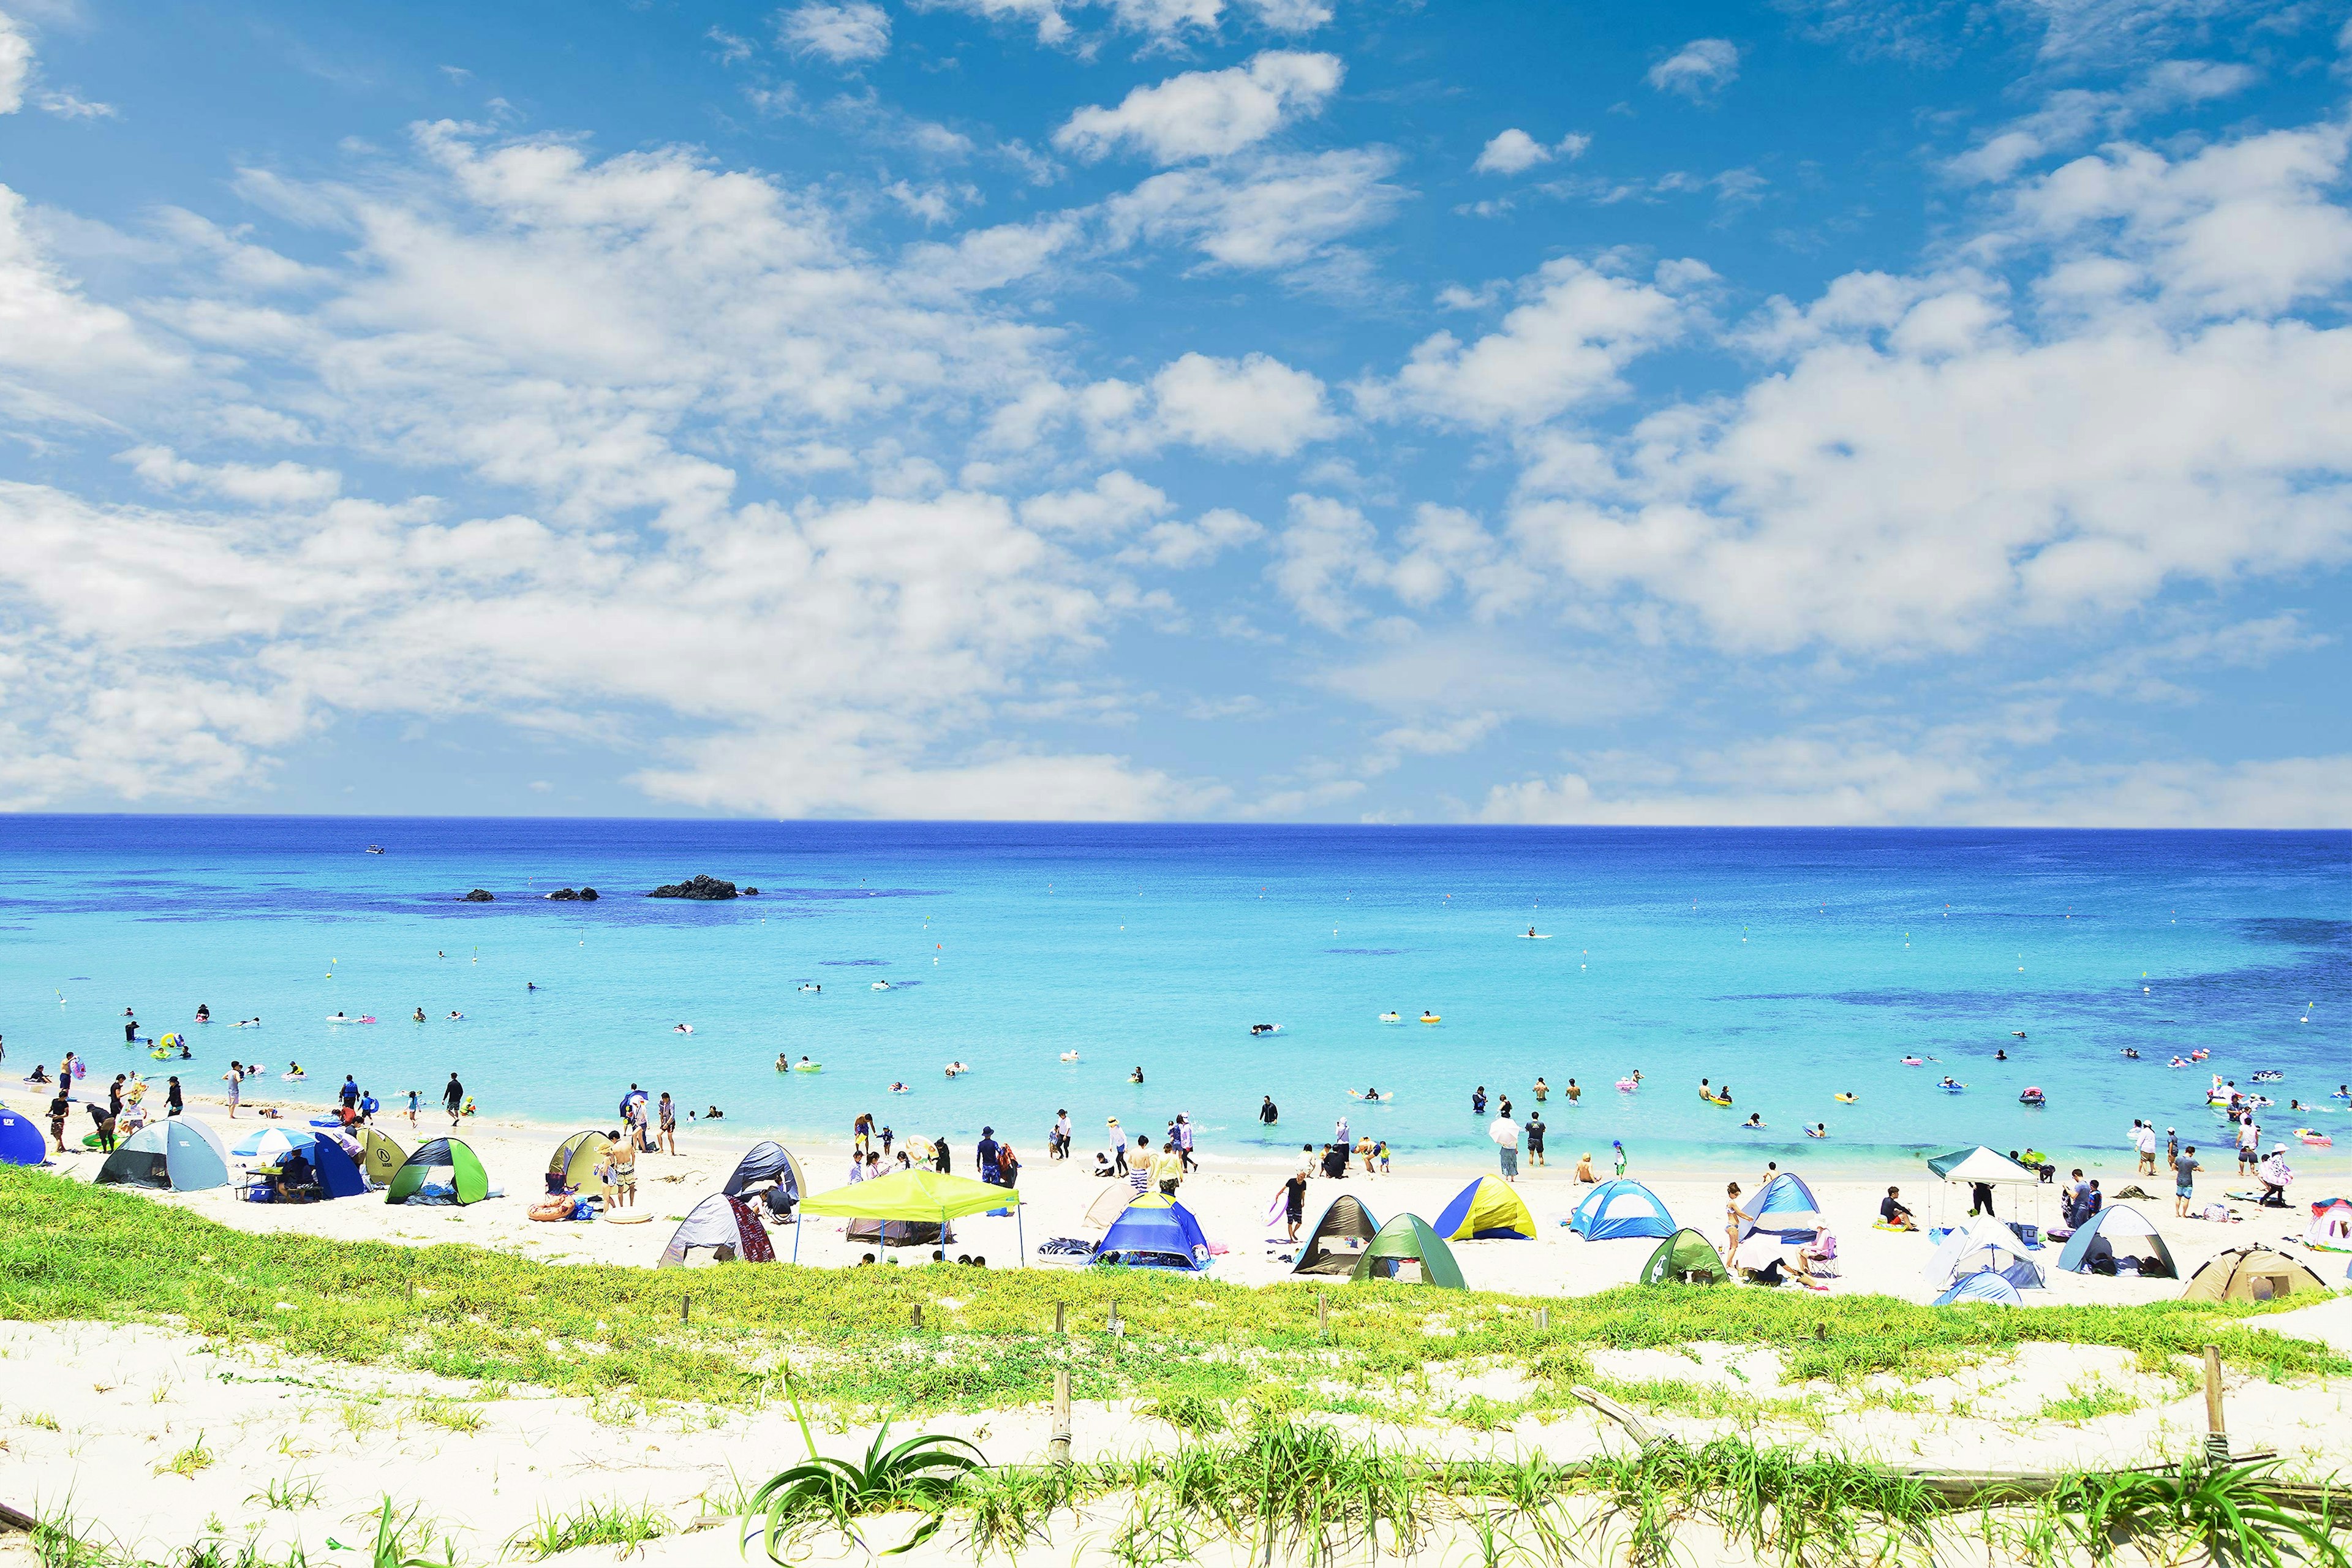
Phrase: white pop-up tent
(1980, 1164)
(1986, 1244)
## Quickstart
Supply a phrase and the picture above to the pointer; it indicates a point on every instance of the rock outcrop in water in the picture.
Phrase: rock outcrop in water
(587, 895)
(569, 895)
(706, 888)
(479, 895)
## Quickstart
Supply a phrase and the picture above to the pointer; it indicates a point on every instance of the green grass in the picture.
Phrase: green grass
(621, 1525)
(2088, 1401)
(195, 1457)
(70, 1251)
(448, 1417)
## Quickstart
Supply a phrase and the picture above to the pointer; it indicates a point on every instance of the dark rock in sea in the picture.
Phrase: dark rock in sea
(563, 894)
(479, 895)
(750, 892)
(588, 895)
(695, 887)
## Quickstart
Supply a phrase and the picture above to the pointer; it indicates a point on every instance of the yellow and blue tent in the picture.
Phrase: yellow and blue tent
(1488, 1209)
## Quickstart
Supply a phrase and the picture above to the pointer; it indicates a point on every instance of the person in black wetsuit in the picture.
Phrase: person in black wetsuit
(1267, 1114)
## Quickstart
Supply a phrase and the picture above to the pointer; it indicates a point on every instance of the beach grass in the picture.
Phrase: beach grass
(484, 1319)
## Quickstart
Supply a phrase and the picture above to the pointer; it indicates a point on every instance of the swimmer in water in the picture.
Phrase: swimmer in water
(454, 1015)
(681, 1028)
(418, 1016)
(1136, 1076)
(530, 986)
(1755, 1122)
(783, 1062)
(1818, 1129)
(1846, 1099)
(898, 1088)
(2001, 1056)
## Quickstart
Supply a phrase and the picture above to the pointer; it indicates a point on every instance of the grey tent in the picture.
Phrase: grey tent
(1328, 1250)
(178, 1154)
(729, 1227)
(2121, 1231)
(767, 1162)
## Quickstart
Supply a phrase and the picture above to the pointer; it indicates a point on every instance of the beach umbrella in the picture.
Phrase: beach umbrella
(271, 1144)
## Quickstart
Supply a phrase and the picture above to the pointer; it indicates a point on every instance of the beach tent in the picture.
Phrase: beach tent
(727, 1225)
(901, 1231)
(1109, 1204)
(1986, 1244)
(1488, 1209)
(379, 1158)
(2330, 1230)
(1408, 1238)
(20, 1141)
(1685, 1257)
(1977, 1164)
(767, 1162)
(178, 1154)
(1155, 1232)
(338, 1173)
(1614, 1210)
(2251, 1273)
(469, 1183)
(573, 1164)
(1783, 1204)
(2119, 1231)
(1984, 1285)
(916, 1197)
(1347, 1220)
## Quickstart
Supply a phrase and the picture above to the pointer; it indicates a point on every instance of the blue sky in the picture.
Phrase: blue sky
(1809, 411)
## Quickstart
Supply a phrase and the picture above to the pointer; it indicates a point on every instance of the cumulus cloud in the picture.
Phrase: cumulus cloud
(1166, 23)
(16, 64)
(1576, 328)
(1269, 213)
(848, 34)
(1698, 70)
(1514, 152)
(575, 337)
(1206, 114)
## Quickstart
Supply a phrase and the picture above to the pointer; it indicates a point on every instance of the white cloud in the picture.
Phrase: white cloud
(1206, 114)
(606, 347)
(1327, 550)
(1116, 503)
(1182, 546)
(1291, 16)
(283, 483)
(1514, 152)
(16, 64)
(1254, 406)
(1576, 328)
(1275, 212)
(1697, 69)
(1167, 23)
(847, 34)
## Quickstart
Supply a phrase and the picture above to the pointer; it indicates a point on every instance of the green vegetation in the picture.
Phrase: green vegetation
(68, 1250)
(621, 1525)
(187, 1461)
(920, 1475)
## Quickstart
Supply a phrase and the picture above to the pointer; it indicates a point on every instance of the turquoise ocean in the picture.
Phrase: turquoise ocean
(1790, 965)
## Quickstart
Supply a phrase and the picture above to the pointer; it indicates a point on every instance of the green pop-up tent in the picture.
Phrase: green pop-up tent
(469, 1183)
(916, 1196)
(1684, 1257)
(1409, 1239)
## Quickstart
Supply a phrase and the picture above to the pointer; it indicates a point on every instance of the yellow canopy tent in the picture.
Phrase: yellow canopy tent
(920, 1196)
(574, 1161)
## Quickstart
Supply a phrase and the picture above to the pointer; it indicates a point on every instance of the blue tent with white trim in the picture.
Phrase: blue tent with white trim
(1155, 1232)
(20, 1141)
(1621, 1208)
(1786, 1193)
(1985, 1285)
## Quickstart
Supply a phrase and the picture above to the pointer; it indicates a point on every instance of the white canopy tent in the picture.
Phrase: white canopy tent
(1980, 1164)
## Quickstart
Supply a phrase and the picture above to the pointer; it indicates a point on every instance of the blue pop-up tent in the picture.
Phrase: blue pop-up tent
(1155, 1232)
(1621, 1208)
(20, 1141)
(1984, 1285)
(339, 1173)
(1783, 1205)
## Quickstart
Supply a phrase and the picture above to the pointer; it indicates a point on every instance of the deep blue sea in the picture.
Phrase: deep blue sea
(1791, 964)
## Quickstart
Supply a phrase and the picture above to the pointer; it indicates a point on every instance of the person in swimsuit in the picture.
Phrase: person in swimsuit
(669, 1122)
(1732, 1217)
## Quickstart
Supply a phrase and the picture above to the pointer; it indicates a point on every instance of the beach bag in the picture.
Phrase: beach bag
(2219, 1214)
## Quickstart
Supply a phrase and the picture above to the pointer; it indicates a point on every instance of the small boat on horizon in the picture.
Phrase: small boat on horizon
(375, 848)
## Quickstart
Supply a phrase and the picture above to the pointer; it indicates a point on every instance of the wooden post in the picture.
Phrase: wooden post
(919, 1314)
(1322, 1314)
(2217, 1432)
(1117, 1329)
(684, 1308)
(1061, 1320)
(1058, 1449)
(1543, 1320)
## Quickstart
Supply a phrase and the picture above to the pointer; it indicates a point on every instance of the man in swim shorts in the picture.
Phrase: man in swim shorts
(1536, 1139)
(2184, 1180)
(453, 1096)
(235, 1078)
